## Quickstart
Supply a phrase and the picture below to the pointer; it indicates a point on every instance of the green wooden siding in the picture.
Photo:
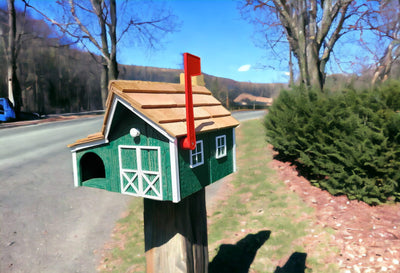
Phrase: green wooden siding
(122, 122)
(221, 167)
(191, 179)
(213, 169)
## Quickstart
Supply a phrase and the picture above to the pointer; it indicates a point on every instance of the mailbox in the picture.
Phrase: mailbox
(6, 110)
(139, 149)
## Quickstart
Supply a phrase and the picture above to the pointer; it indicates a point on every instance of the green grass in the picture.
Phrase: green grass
(259, 202)
(262, 202)
(127, 253)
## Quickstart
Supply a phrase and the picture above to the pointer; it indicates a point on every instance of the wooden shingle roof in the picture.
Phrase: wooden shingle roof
(164, 105)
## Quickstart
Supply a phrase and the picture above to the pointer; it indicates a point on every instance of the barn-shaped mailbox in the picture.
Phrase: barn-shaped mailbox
(138, 150)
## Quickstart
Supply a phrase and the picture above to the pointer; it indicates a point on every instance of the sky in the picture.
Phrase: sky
(214, 31)
(210, 29)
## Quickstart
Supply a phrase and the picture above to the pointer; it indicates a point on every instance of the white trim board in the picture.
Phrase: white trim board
(175, 183)
(234, 149)
(88, 145)
(75, 169)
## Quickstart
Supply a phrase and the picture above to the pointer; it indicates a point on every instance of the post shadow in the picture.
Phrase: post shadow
(295, 264)
(238, 258)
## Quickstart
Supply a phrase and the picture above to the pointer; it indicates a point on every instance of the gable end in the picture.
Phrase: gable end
(110, 118)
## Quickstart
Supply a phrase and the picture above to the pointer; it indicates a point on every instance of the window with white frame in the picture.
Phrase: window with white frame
(220, 144)
(197, 155)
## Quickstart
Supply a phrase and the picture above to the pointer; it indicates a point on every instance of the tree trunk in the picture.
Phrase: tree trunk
(310, 25)
(385, 64)
(313, 65)
(291, 77)
(113, 65)
(303, 67)
(176, 235)
(98, 6)
(14, 89)
(104, 83)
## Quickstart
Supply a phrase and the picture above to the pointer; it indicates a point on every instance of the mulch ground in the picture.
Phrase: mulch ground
(368, 238)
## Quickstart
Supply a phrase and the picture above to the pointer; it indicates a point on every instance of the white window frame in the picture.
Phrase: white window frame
(220, 150)
(196, 153)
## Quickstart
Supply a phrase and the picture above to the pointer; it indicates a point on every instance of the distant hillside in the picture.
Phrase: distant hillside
(226, 90)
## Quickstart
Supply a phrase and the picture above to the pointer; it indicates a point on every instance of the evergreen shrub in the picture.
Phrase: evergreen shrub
(348, 141)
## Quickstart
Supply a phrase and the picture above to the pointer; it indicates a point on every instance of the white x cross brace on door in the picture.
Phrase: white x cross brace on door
(140, 171)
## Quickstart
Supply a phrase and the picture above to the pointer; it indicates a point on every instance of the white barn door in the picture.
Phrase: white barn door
(140, 171)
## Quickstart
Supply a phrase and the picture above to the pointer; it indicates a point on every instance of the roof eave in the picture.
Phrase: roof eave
(85, 145)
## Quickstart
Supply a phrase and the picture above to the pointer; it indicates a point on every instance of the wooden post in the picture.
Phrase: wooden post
(176, 235)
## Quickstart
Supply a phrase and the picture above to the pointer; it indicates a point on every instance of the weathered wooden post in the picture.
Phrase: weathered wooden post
(149, 148)
(176, 235)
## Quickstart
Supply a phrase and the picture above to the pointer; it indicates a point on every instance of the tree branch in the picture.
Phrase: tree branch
(81, 26)
(64, 29)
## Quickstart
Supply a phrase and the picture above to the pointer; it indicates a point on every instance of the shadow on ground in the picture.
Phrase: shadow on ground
(238, 258)
(295, 264)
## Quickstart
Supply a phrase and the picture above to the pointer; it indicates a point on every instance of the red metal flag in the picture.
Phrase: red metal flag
(192, 68)
(192, 64)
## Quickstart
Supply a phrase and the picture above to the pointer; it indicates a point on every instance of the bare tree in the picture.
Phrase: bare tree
(103, 36)
(387, 27)
(311, 27)
(14, 89)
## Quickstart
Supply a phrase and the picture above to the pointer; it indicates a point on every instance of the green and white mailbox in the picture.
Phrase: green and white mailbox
(139, 152)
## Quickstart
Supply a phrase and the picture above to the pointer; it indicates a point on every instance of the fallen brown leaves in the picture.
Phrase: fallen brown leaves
(368, 238)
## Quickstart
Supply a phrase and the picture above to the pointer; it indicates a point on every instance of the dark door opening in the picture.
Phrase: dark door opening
(92, 166)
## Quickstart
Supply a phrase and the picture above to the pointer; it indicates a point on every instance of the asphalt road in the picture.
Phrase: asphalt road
(47, 225)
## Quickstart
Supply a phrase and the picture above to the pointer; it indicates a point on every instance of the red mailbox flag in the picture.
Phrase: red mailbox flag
(192, 68)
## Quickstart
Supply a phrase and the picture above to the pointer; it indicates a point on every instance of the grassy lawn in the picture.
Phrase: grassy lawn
(260, 226)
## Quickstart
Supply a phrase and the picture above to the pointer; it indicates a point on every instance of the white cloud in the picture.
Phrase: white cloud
(286, 73)
(244, 68)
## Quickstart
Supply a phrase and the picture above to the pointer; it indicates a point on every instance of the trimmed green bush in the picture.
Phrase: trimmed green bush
(348, 142)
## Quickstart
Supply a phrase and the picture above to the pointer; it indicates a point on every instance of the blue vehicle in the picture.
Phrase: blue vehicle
(6, 110)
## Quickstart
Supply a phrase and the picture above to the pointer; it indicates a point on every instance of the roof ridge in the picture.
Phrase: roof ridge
(133, 86)
(201, 92)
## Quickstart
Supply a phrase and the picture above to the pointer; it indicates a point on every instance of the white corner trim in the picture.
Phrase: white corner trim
(110, 117)
(234, 150)
(173, 151)
(75, 169)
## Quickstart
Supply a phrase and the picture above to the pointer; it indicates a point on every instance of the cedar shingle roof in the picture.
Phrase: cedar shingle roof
(164, 104)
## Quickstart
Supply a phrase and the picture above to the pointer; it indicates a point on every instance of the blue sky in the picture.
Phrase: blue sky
(210, 29)
(214, 31)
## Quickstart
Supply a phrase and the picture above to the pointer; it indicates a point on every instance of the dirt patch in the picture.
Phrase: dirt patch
(368, 238)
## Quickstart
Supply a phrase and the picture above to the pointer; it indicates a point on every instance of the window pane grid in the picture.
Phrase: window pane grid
(220, 146)
(196, 156)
